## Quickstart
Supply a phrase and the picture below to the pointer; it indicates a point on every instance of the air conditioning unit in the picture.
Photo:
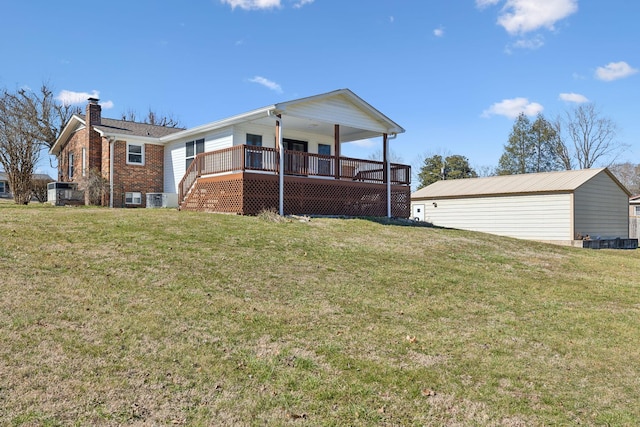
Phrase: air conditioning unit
(62, 193)
(162, 200)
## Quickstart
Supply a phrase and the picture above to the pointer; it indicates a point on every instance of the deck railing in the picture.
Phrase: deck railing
(264, 159)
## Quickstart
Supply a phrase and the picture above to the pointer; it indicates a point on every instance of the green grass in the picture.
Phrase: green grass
(158, 317)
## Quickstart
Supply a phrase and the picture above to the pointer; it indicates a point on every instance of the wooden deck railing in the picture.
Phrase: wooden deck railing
(252, 158)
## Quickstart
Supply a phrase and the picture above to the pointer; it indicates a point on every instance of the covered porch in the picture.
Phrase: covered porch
(288, 157)
(245, 180)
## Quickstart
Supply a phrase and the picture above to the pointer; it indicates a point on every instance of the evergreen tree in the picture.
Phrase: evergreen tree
(532, 147)
(436, 168)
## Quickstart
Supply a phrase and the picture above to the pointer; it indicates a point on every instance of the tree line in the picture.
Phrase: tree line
(580, 138)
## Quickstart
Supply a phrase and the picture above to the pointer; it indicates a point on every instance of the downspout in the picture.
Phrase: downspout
(388, 168)
(111, 156)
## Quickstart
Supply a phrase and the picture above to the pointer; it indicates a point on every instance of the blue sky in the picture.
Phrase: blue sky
(453, 73)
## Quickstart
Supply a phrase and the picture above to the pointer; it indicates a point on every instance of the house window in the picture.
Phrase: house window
(193, 149)
(324, 165)
(70, 166)
(135, 154)
(84, 161)
(254, 157)
(133, 198)
(637, 208)
(4, 187)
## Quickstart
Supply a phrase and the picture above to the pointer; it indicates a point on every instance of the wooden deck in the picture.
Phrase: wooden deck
(244, 180)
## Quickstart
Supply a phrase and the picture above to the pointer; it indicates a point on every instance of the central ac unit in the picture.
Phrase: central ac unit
(162, 200)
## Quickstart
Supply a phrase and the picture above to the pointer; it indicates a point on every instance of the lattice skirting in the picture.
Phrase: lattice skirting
(250, 193)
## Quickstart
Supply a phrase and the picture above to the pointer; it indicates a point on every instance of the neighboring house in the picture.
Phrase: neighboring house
(5, 189)
(234, 165)
(634, 206)
(557, 207)
(634, 217)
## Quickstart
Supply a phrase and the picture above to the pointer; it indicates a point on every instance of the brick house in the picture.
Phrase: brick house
(285, 156)
(127, 155)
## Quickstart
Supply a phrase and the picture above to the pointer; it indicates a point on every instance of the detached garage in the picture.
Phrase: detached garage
(557, 207)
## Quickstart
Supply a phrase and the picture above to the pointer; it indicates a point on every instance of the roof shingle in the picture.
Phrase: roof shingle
(124, 127)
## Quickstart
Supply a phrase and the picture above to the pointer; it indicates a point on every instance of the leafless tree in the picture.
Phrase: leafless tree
(39, 189)
(628, 174)
(152, 118)
(29, 121)
(589, 136)
(96, 186)
(560, 148)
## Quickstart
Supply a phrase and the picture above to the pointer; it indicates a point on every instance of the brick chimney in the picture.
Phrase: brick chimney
(94, 112)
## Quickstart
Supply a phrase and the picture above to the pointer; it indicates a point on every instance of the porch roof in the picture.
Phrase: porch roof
(315, 114)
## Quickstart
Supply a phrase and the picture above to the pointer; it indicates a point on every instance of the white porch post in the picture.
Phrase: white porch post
(281, 166)
(387, 171)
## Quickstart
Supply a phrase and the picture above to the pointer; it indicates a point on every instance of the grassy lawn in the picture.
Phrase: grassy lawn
(159, 317)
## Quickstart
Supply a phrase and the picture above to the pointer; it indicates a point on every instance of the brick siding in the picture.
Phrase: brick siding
(147, 178)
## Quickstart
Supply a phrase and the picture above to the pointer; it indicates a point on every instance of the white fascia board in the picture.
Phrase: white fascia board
(130, 138)
(230, 121)
(69, 128)
(391, 126)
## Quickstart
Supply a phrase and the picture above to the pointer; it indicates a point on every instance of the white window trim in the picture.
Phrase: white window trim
(70, 171)
(133, 196)
(84, 161)
(141, 152)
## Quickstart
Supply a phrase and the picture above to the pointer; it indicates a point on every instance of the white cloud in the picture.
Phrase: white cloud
(364, 143)
(532, 44)
(615, 71)
(438, 32)
(267, 83)
(523, 16)
(252, 4)
(512, 108)
(573, 97)
(301, 3)
(392, 19)
(486, 3)
(68, 97)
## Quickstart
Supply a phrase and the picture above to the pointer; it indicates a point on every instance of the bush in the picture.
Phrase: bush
(39, 189)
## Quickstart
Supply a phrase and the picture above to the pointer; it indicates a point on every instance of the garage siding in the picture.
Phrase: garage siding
(601, 209)
(535, 217)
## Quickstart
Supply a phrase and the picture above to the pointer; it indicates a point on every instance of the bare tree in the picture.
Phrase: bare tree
(592, 137)
(29, 121)
(628, 174)
(96, 186)
(39, 189)
(152, 118)
(485, 170)
(561, 150)
(378, 155)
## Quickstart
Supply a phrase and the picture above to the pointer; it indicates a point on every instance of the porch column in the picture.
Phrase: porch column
(280, 149)
(336, 149)
(386, 171)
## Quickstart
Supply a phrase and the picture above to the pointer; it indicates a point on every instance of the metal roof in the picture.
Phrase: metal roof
(546, 182)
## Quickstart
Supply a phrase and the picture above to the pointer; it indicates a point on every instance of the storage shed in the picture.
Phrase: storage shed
(557, 207)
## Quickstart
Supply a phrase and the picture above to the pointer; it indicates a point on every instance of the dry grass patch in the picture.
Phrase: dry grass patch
(158, 317)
